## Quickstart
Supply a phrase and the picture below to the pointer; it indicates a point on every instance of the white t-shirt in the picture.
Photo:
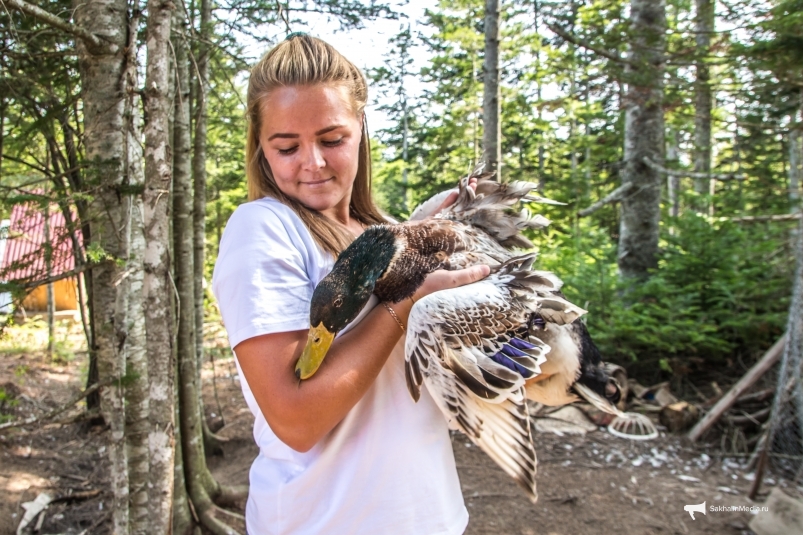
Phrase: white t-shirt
(388, 467)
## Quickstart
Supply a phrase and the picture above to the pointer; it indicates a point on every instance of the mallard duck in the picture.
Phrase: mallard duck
(482, 349)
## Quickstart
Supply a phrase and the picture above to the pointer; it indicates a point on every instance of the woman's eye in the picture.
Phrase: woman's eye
(291, 150)
(332, 143)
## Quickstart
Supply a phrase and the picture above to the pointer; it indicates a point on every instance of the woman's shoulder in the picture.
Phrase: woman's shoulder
(266, 209)
(265, 226)
(267, 217)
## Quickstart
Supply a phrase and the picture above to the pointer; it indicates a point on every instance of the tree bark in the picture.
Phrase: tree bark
(2, 126)
(704, 27)
(138, 384)
(198, 229)
(182, 515)
(491, 100)
(200, 485)
(644, 138)
(672, 180)
(199, 173)
(103, 90)
(796, 157)
(191, 429)
(157, 286)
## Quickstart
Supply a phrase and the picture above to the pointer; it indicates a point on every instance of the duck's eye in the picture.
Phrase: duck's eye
(338, 302)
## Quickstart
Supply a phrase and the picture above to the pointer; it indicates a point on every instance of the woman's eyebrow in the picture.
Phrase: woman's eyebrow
(318, 133)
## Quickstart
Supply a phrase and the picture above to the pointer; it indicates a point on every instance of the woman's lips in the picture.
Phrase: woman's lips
(317, 183)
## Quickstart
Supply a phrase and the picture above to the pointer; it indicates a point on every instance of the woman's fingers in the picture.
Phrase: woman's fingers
(444, 280)
(467, 276)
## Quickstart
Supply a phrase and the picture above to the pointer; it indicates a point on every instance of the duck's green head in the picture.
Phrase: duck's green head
(343, 293)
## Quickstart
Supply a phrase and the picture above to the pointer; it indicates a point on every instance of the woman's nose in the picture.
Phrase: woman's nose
(313, 158)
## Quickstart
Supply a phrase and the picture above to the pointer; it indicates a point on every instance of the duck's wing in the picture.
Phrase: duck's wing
(501, 430)
(462, 342)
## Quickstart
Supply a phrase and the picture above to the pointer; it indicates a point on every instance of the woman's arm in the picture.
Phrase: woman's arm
(302, 413)
(438, 202)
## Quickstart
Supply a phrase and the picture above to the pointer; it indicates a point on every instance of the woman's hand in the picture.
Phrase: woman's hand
(445, 280)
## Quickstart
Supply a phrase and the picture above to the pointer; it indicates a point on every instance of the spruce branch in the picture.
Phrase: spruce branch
(92, 41)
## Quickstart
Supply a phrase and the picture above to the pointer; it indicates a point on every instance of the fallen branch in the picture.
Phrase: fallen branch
(585, 44)
(77, 496)
(691, 174)
(56, 412)
(761, 395)
(754, 374)
(614, 196)
(756, 418)
(779, 217)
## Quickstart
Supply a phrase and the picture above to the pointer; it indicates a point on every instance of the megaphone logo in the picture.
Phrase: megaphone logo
(699, 508)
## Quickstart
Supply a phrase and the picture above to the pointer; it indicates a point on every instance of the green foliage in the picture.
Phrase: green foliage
(7, 401)
(718, 293)
(95, 253)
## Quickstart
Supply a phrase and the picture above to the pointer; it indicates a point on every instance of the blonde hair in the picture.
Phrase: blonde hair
(301, 60)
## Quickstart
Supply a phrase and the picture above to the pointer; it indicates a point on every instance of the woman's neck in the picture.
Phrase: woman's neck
(345, 218)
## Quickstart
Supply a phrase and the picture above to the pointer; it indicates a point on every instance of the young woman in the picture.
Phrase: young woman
(347, 451)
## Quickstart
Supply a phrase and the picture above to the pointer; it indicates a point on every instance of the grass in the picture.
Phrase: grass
(31, 337)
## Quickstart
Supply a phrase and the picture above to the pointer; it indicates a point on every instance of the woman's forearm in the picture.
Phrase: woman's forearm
(302, 413)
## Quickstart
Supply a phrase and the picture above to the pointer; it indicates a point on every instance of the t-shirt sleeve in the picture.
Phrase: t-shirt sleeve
(260, 280)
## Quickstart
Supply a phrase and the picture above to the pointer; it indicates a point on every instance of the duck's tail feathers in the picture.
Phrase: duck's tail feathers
(491, 208)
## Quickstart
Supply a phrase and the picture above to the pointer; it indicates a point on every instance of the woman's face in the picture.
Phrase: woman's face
(311, 137)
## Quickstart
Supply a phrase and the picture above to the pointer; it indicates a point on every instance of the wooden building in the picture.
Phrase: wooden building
(37, 249)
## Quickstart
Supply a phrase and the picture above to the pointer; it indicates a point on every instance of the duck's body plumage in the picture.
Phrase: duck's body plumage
(484, 348)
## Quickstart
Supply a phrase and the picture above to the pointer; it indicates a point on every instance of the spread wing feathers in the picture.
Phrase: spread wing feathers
(490, 208)
(501, 430)
(481, 331)
(475, 349)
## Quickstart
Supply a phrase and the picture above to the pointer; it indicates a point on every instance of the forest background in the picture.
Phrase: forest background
(670, 130)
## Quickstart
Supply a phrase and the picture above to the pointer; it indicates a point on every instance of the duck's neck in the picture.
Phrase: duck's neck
(368, 258)
(404, 275)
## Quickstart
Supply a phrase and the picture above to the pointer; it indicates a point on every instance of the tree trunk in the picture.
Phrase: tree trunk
(794, 169)
(158, 287)
(703, 27)
(103, 90)
(796, 157)
(199, 172)
(644, 138)
(138, 385)
(200, 485)
(182, 516)
(201, 91)
(673, 180)
(2, 126)
(491, 100)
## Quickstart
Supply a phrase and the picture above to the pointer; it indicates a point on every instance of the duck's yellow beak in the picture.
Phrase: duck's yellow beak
(311, 358)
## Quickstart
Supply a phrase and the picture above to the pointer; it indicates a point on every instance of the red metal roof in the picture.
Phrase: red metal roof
(24, 257)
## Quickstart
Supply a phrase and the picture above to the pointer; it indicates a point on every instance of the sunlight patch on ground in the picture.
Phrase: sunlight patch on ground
(21, 481)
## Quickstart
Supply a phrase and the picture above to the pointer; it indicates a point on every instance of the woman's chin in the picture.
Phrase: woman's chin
(321, 202)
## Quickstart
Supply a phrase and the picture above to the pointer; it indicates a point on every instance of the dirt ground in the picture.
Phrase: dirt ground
(592, 484)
